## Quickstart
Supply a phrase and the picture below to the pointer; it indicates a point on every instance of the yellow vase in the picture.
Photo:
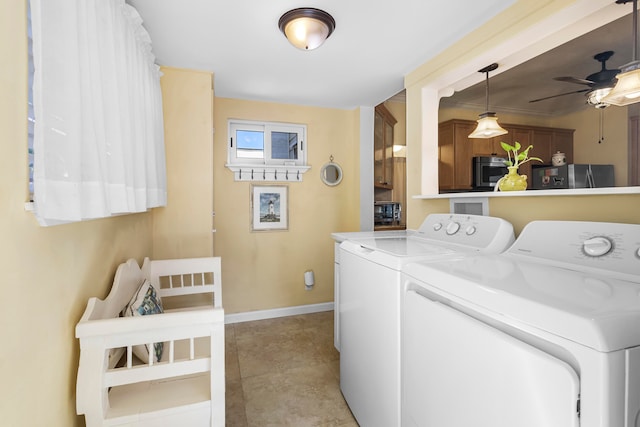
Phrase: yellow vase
(512, 181)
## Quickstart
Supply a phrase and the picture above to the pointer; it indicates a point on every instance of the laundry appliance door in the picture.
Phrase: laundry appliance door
(459, 372)
(370, 340)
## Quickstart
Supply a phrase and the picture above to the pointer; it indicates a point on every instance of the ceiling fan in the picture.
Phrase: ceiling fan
(605, 78)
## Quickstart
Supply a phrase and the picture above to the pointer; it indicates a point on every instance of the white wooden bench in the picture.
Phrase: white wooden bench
(186, 387)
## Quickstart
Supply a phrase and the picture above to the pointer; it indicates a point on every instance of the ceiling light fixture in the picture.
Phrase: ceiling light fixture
(307, 28)
(627, 89)
(488, 126)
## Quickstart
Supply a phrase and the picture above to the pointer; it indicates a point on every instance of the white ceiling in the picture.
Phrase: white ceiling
(375, 44)
(512, 90)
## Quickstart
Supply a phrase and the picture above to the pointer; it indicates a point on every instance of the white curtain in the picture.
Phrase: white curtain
(98, 139)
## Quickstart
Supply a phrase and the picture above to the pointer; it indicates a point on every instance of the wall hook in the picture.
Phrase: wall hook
(286, 175)
(252, 174)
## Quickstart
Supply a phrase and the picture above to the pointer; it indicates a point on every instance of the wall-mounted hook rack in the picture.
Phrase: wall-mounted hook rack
(269, 173)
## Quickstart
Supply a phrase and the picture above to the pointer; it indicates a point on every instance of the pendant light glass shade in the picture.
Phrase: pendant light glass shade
(488, 127)
(627, 89)
(307, 28)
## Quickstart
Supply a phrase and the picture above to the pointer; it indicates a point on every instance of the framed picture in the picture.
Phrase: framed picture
(269, 207)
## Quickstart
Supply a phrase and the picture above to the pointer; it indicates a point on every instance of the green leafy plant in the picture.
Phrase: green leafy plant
(517, 157)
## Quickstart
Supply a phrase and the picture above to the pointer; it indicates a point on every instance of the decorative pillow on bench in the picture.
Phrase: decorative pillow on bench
(145, 301)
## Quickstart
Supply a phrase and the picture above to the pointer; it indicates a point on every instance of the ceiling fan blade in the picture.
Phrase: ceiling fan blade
(560, 94)
(574, 80)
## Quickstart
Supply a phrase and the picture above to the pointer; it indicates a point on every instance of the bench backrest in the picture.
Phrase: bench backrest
(171, 278)
(127, 280)
(187, 276)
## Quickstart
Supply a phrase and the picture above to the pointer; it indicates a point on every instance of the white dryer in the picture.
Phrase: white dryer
(369, 303)
(545, 334)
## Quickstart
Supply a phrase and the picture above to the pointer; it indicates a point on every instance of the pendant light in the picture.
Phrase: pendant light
(488, 126)
(307, 28)
(627, 89)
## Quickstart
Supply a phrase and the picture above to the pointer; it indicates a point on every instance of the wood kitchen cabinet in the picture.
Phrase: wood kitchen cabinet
(383, 148)
(455, 153)
(546, 142)
(456, 150)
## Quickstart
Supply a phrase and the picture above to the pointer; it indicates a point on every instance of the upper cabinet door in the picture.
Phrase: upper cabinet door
(383, 148)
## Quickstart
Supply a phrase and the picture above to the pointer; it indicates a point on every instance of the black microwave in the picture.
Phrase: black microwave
(487, 171)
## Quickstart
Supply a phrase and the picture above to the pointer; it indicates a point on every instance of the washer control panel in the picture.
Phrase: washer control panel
(482, 233)
(453, 227)
(609, 246)
(597, 246)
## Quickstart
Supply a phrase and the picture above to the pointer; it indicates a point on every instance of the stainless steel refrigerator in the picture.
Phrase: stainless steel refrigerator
(572, 176)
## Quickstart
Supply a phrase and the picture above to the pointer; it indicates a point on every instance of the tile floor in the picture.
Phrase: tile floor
(284, 372)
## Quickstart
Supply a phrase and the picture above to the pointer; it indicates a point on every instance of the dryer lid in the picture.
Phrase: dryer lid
(394, 253)
(340, 237)
(594, 310)
(404, 246)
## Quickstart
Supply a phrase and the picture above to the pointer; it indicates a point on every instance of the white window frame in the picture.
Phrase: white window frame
(266, 168)
(267, 128)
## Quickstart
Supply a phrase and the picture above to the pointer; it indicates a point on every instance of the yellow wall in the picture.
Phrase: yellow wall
(613, 149)
(182, 229)
(522, 210)
(264, 270)
(48, 274)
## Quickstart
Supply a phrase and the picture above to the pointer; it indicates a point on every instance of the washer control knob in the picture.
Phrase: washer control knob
(452, 228)
(437, 226)
(471, 230)
(597, 246)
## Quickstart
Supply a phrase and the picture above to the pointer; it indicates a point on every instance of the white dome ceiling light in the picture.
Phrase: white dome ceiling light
(307, 28)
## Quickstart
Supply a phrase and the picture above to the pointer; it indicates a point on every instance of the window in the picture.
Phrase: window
(264, 143)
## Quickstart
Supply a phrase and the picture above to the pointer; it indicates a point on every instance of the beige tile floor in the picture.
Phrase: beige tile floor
(284, 372)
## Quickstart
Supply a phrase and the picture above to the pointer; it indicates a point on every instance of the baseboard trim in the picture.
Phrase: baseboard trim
(277, 312)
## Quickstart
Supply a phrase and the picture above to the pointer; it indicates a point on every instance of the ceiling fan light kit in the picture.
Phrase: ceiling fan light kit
(488, 126)
(596, 96)
(600, 83)
(627, 89)
(307, 28)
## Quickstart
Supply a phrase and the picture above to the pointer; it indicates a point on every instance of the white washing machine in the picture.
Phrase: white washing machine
(340, 237)
(545, 334)
(369, 303)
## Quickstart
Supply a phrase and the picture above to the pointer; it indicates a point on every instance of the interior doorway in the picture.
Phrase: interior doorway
(390, 168)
